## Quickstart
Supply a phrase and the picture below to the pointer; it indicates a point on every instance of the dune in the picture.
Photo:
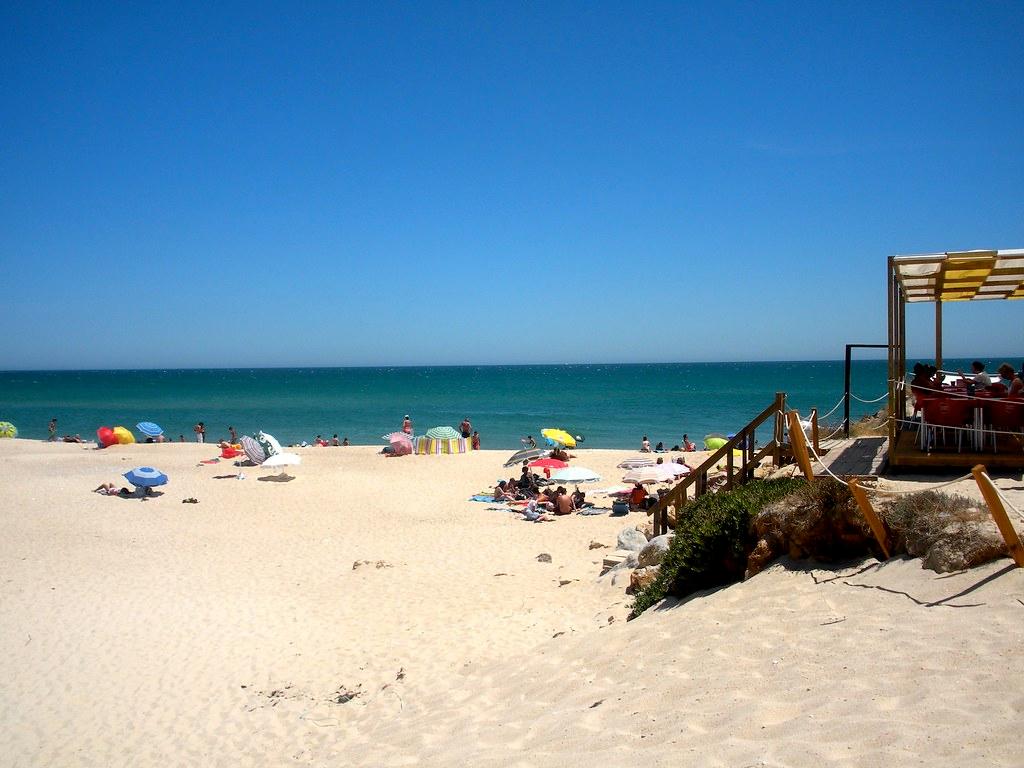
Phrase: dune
(366, 613)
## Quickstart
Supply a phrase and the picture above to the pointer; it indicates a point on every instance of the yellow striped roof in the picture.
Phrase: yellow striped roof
(961, 275)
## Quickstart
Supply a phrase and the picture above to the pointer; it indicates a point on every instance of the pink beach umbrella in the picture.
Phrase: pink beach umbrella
(401, 445)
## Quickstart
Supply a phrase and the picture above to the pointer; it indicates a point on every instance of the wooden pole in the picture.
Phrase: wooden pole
(874, 521)
(995, 506)
(938, 333)
(799, 443)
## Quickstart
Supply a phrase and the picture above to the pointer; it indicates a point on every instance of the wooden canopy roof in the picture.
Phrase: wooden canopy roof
(961, 275)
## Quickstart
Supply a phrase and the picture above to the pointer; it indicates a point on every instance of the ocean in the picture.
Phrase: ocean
(612, 406)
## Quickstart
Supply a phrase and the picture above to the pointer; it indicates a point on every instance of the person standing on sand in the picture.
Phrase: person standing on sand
(234, 435)
(200, 430)
(466, 428)
(475, 443)
(53, 430)
(407, 425)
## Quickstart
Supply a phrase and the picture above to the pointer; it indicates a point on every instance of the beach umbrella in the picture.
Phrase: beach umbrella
(527, 453)
(635, 461)
(548, 463)
(149, 429)
(393, 435)
(269, 443)
(575, 475)
(401, 445)
(559, 437)
(669, 472)
(7, 429)
(145, 477)
(643, 475)
(443, 433)
(124, 437)
(283, 459)
(253, 450)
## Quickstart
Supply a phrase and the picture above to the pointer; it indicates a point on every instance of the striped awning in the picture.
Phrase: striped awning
(961, 275)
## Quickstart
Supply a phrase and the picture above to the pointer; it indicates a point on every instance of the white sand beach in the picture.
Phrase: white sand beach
(366, 613)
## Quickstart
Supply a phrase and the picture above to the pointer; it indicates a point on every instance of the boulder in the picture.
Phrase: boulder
(964, 546)
(643, 577)
(655, 551)
(631, 539)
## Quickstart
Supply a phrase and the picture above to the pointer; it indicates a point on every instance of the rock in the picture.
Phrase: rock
(655, 551)
(758, 560)
(643, 577)
(598, 545)
(631, 539)
(375, 563)
(543, 557)
(647, 529)
(965, 546)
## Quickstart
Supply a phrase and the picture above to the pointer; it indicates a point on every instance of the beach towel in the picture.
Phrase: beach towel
(594, 511)
(482, 497)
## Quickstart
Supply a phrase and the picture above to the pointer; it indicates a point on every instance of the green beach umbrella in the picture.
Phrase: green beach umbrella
(443, 433)
(7, 429)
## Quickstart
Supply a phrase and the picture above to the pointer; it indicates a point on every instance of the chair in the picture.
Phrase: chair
(942, 413)
(1005, 415)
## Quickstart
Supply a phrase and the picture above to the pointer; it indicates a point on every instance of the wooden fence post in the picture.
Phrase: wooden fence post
(799, 443)
(995, 506)
(874, 521)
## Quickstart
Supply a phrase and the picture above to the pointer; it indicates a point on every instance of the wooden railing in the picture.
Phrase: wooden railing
(741, 473)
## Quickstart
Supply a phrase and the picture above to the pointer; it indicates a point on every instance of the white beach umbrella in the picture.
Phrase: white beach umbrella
(283, 459)
(644, 475)
(575, 475)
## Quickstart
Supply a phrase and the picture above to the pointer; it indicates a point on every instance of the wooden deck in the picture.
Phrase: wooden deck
(907, 453)
(853, 457)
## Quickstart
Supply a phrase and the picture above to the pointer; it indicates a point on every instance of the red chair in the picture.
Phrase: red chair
(1006, 415)
(943, 413)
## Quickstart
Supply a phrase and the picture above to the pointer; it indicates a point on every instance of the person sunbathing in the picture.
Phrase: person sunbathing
(73, 439)
(535, 515)
(563, 502)
(502, 493)
(109, 489)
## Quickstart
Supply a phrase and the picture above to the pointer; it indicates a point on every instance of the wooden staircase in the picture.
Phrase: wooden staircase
(739, 470)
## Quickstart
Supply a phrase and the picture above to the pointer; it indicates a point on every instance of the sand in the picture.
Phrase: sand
(237, 631)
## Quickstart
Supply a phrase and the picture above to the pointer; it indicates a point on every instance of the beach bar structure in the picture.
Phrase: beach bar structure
(940, 278)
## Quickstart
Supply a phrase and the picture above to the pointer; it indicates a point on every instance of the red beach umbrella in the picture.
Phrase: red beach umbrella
(548, 463)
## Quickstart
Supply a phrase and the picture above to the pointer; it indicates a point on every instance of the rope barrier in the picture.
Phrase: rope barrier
(868, 402)
(834, 409)
(1006, 501)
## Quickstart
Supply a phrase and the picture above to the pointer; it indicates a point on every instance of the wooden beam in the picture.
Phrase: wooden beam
(874, 521)
(938, 333)
(799, 444)
(995, 506)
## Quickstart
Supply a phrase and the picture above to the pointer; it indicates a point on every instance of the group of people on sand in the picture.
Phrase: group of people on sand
(530, 488)
(687, 445)
(333, 442)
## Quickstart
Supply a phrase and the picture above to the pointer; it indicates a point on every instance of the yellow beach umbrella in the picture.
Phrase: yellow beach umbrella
(123, 435)
(559, 436)
(7, 429)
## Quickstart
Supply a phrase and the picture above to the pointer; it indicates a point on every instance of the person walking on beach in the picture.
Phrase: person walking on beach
(200, 430)
(407, 425)
(53, 430)
(466, 428)
(234, 435)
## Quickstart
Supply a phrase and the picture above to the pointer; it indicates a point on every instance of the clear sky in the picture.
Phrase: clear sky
(191, 185)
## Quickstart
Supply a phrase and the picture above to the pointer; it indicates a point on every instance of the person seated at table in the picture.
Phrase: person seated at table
(924, 378)
(978, 377)
(1016, 386)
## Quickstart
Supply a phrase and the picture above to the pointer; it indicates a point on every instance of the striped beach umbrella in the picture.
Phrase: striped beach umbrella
(7, 429)
(442, 433)
(253, 450)
(149, 429)
(145, 477)
(527, 453)
(635, 461)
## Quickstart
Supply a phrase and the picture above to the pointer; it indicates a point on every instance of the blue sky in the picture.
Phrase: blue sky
(358, 184)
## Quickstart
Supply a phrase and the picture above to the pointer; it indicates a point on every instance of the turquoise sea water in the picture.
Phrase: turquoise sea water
(613, 406)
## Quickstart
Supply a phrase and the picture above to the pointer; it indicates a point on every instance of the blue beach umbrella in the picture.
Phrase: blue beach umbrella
(149, 429)
(145, 477)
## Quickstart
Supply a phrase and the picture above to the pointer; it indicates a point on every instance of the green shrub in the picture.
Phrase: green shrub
(712, 540)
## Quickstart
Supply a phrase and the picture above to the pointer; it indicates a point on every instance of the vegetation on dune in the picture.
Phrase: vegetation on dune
(712, 540)
(720, 538)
